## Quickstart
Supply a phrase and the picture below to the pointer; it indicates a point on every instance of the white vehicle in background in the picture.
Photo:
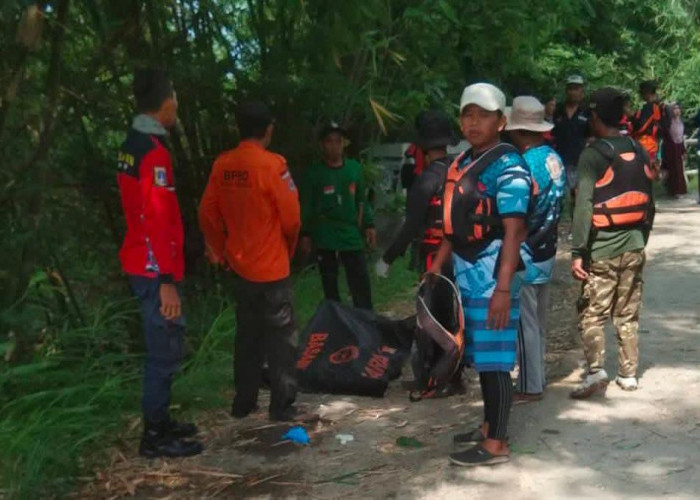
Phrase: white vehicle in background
(390, 158)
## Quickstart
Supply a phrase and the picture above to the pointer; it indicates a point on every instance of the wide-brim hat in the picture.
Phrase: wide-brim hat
(527, 113)
(434, 130)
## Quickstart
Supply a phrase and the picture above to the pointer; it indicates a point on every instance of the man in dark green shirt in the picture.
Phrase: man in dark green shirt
(337, 218)
(613, 217)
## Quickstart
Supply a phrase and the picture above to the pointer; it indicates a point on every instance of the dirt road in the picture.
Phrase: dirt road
(644, 444)
(630, 445)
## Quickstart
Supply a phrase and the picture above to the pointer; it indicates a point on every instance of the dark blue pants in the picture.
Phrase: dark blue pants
(164, 347)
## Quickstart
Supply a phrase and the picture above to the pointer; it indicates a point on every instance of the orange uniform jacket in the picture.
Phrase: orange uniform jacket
(249, 213)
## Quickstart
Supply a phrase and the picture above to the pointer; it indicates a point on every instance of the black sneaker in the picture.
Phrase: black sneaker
(155, 444)
(180, 429)
(476, 457)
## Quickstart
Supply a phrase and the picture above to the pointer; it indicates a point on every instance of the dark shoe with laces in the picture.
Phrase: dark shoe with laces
(158, 442)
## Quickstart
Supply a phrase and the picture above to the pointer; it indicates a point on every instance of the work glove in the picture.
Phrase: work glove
(382, 268)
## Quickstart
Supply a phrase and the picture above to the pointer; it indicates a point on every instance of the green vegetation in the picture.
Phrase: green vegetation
(59, 407)
(69, 334)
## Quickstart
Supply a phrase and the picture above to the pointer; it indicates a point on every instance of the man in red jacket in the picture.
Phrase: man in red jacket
(152, 258)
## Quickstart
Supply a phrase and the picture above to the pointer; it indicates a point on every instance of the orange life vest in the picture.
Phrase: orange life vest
(623, 195)
(470, 217)
(648, 132)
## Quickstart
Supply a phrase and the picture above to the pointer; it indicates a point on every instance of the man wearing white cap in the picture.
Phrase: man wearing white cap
(487, 194)
(527, 127)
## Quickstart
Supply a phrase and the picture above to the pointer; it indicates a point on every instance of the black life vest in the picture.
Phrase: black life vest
(471, 217)
(622, 197)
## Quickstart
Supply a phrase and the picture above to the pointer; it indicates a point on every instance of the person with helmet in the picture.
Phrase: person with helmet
(424, 202)
(152, 258)
(337, 219)
(249, 215)
(613, 218)
(485, 205)
(527, 127)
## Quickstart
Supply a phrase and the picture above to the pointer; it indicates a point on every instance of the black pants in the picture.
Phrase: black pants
(497, 391)
(355, 272)
(265, 326)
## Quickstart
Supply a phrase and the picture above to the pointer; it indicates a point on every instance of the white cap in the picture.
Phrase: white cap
(484, 95)
(575, 80)
(527, 113)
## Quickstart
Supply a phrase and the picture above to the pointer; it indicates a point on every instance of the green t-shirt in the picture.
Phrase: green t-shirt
(332, 202)
(589, 242)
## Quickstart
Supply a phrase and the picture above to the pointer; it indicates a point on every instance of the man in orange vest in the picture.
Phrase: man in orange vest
(613, 217)
(250, 218)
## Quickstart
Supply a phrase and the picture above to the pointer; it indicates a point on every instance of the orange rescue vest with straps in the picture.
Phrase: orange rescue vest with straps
(470, 216)
(623, 195)
(648, 132)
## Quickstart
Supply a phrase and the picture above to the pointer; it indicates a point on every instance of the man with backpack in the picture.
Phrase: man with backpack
(613, 217)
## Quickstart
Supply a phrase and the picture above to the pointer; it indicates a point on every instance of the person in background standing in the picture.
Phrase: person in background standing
(337, 219)
(626, 128)
(646, 123)
(152, 258)
(571, 129)
(249, 216)
(673, 154)
(549, 108)
(413, 165)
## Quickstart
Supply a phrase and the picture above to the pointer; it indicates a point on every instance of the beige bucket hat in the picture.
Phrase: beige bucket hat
(527, 113)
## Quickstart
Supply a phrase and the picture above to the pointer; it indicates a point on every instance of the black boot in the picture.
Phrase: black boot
(180, 429)
(158, 442)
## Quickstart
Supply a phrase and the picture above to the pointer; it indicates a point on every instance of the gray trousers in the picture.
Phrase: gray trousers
(532, 338)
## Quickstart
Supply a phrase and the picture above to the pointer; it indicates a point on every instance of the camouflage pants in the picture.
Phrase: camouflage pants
(613, 289)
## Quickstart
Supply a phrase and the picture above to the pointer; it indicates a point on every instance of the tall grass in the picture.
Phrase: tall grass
(62, 411)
